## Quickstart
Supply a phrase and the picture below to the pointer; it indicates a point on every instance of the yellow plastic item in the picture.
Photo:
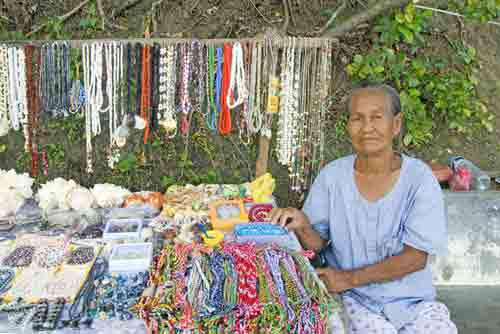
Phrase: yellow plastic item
(262, 188)
(214, 238)
(227, 224)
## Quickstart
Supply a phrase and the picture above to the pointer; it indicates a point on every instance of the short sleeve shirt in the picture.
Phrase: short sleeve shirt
(362, 233)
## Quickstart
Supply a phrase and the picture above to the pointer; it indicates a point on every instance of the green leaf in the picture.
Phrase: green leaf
(3, 148)
(379, 69)
(407, 34)
(400, 18)
(358, 59)
(408, 138)
(413, 82)
(350, 69)
(168, 180)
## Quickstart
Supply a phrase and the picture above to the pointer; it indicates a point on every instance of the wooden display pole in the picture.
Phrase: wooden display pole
(263, 156)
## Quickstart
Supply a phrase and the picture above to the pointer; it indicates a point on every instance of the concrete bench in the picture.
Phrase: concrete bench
(468, 278)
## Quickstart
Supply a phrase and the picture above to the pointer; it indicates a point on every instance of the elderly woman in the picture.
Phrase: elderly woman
(379, 215)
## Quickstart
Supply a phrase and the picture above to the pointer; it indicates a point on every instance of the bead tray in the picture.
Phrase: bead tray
(265, 233)
(123, 229)
(134, 257)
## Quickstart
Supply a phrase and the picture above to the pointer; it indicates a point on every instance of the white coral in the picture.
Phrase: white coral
(14, 190)
(109, 195)
(81, 198)
(53, 194)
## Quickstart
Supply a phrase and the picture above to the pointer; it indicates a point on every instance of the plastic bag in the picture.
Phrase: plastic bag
(29, 212)
(461, 179)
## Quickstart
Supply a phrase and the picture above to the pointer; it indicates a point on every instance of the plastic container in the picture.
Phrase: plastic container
(480, 181)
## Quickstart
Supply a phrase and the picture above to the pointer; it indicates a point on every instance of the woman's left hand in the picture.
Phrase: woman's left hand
(336, 281)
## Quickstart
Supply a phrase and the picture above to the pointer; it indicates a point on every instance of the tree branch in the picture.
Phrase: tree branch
(125, 7)
(284, 29)
(333, 17)
(62, 18)
(382, 6)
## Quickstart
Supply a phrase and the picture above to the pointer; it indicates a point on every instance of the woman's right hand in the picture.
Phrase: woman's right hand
(292, 219)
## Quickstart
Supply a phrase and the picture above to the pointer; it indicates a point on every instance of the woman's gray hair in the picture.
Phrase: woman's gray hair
(390, 92)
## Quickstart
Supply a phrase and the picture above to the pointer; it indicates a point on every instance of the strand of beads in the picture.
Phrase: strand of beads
(167, 84)
(255, 115)
(155, 60)
(185, 101)
(237, 81)
(15, 101)
(32, 98)
(200, 72)
(146, 89)
(210, 82)
(4, 91)
(115, 75)
(92, 56)
(225, 122)
(287, 117)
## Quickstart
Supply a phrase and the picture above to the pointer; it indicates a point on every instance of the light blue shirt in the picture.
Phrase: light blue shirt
(363, 233)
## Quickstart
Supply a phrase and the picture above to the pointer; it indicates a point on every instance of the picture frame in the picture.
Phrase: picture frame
(225, 214)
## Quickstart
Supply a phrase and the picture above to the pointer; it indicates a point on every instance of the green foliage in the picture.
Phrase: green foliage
(479, 10)
(432, 92)
(128, 163)
(406, 26)
(11, 35)
(54, 27)
(90, 22)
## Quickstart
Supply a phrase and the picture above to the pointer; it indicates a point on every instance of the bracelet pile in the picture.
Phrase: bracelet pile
(238, 288)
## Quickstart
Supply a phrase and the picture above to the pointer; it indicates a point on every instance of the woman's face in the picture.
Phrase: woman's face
(372, 125)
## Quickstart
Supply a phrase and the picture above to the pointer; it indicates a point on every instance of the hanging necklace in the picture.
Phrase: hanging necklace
(185, 102)
(92, 56)
(200, 72)
(146, 89)
(244, 131)
(155, 65)
(237, 81)
(167, 84)
(33, 105)
(114, 70)
(255, 116)
(218, 85)
(129, 78)
(23, 98)
(272, 82)
(211, 106)
(138, 81)
(225, 123)
(4, 91)
(14, 102)
(285, 121)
